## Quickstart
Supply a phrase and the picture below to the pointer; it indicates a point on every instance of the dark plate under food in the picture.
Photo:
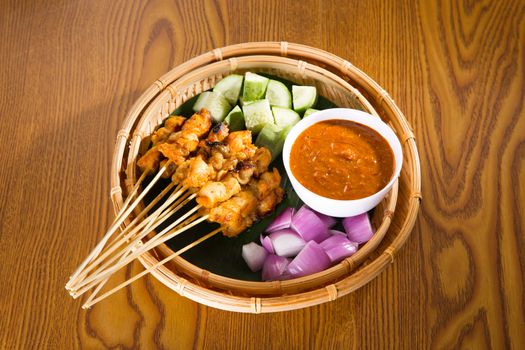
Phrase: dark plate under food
(222, 255)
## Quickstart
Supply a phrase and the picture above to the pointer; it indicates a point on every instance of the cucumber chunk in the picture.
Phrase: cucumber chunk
(310, 111)
(235, 119)
(278, 94)
(215, 103)
(304, 97)
(230, 87)
(242, 103)
(254, 87)
(272, 137)
(257, 114)
(285, 117)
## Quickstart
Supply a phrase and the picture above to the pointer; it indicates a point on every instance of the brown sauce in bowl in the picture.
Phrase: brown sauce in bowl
(341, 159)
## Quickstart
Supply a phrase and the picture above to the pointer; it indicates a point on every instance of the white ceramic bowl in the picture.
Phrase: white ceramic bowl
(335, 207)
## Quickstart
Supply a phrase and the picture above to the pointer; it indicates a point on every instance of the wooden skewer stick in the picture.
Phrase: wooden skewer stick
(112, 246)
(101, 284)
(151, 223)
(97, 276)
(107, 270)
(90, 303)
(99, 247)
(116, 224)
(126, 237)
(132, 194)
(154, 241)
(116, 244)
(179, 204)
(134, 222)
(165, 235)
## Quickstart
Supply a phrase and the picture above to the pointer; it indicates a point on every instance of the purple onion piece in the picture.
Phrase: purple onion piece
(338, 247)
(273, 267)
(254, 255)
(307, 224)
(337, 232)
(286, 242)
(358, 228)
(327, 220)
(282, 221)
(311, 259)
(333, 241)
(267, 244)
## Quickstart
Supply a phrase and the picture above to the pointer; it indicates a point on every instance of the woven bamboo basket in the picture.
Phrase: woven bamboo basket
(204, 78)
(335, 79)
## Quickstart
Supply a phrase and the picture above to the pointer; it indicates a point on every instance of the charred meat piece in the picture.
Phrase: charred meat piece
(240, 144)
(213, 193)
(150, 160)
(236, 214)
(171, 125)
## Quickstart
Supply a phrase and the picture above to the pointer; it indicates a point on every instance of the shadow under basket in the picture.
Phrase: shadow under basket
(336, 80)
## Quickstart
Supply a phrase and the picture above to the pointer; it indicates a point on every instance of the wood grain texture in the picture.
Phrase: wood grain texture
(69, 71)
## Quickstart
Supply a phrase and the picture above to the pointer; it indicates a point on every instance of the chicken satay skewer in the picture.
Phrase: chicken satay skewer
(171, 199)
(191, 173)
(114, 227)
(263, 189)
(171, 125)
(193, 128)
(239, 143)
(197, 169)
(243, 207)
(90, 303)
(221, 191)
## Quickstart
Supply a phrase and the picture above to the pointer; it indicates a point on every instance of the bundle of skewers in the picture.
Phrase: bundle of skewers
(216, 176)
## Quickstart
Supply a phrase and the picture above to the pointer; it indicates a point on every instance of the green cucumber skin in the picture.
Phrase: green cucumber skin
(278, 94)
(309, 111)
(257, 114)
(235, 119)
(272, 137)
(254, 87)
(199, 104)
(300, 102)
(215, 103)
(285, 117)
(230, 87)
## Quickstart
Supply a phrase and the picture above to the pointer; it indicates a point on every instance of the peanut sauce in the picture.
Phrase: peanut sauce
(341, 159)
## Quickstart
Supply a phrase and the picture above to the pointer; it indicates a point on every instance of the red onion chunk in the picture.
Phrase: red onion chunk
(327, 220)
(254, 255)
(286, 242)
(338, 247)
(267, 244)
(358, 228)
(337, 232)
(307, 224)
(273, 267)
(282, 220)
(310, 260)
(333, 241)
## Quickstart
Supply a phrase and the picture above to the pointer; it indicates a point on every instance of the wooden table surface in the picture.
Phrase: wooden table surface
(70, 70)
